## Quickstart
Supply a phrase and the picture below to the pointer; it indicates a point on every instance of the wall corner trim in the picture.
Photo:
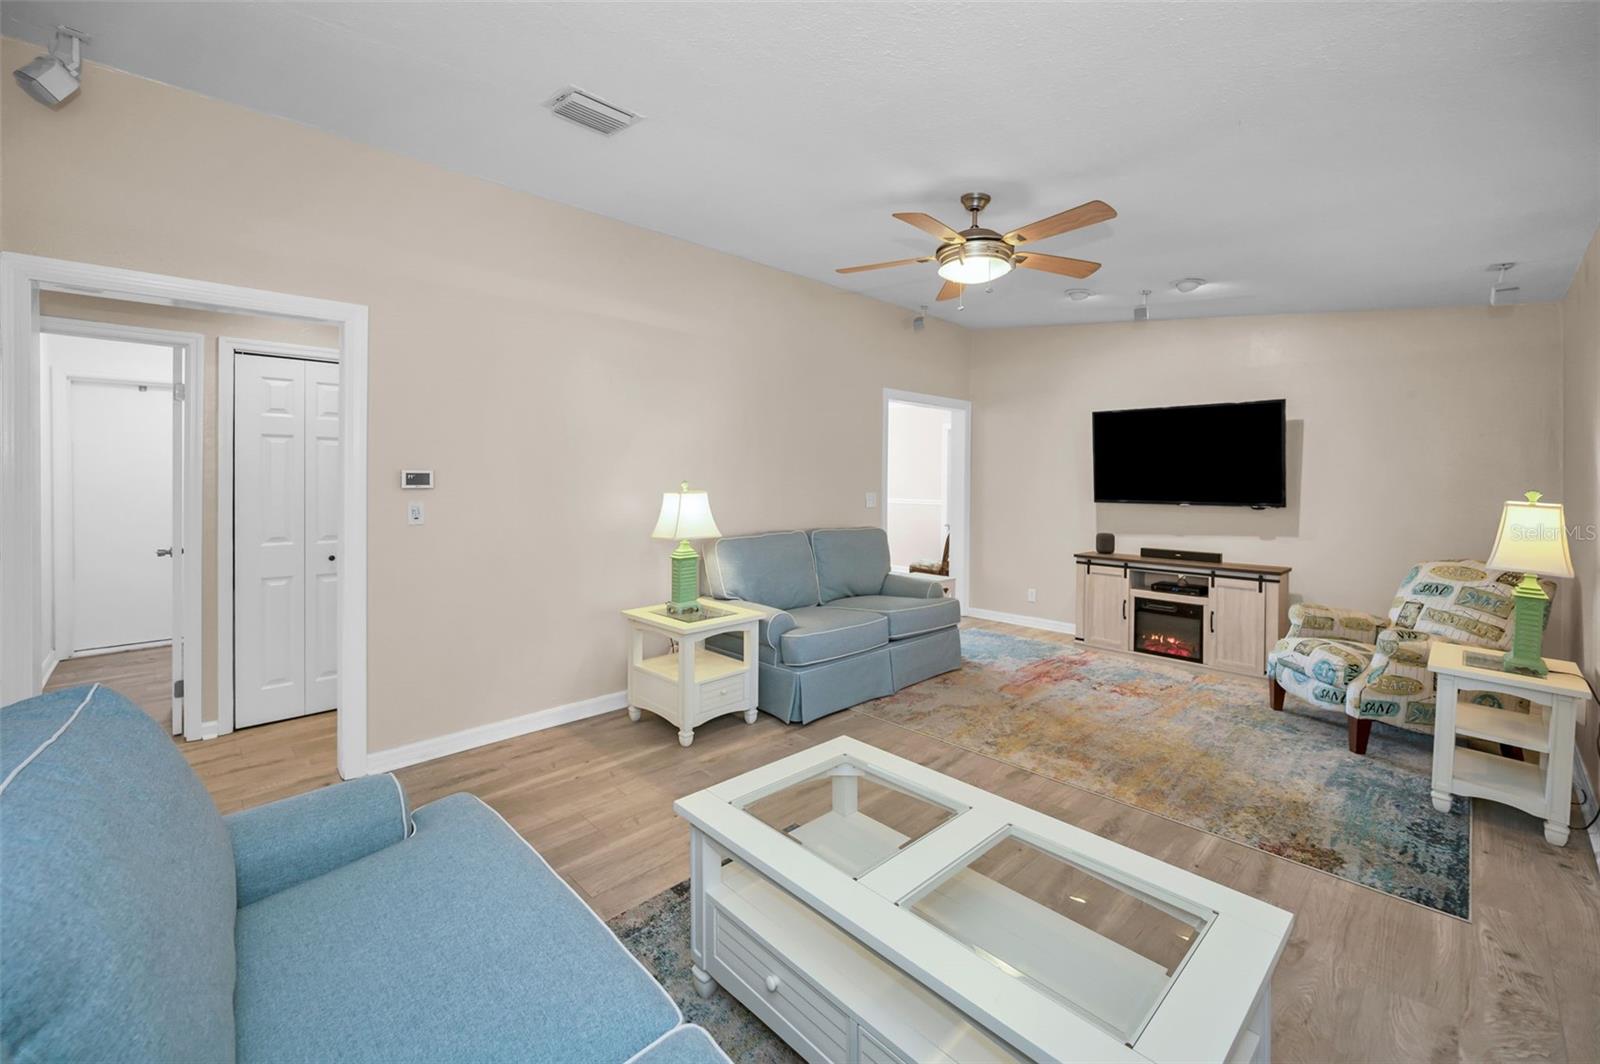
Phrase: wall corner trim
(397, 757)
(1044, 624)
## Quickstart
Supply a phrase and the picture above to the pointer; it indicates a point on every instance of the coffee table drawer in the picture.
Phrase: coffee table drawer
(776, 992)
(872, 1051)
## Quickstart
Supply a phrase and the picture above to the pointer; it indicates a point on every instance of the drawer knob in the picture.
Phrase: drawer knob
(772, 984)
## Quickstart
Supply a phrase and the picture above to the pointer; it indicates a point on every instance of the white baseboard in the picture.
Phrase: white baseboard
(1042, 623)
(484, 734)
(47, 668)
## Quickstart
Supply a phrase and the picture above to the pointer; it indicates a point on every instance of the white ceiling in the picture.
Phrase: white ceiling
(1300, 156)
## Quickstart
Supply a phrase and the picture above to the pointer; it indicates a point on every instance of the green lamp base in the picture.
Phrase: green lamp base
(1531, 606)
(685, 581)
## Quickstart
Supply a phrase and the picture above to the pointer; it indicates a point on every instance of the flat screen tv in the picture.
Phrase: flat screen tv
(1218, 454)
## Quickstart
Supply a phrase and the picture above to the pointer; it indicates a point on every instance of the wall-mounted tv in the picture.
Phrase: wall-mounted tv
(1218, 454)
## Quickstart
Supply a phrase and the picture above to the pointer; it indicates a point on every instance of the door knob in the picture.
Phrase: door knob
(330, 557)
(163, 552)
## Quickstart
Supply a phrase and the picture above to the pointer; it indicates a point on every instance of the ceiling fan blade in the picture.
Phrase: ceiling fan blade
(929, 224)
(883, 265)
(949, 291)
(1056, 264)
(1084, 214)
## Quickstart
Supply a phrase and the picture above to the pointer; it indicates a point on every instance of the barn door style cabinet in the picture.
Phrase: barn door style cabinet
(1220, 615)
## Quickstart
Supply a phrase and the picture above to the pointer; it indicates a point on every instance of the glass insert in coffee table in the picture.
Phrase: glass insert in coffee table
(849, 815)
(1097, 946)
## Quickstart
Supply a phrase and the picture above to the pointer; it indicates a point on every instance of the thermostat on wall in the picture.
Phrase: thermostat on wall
(416, 478)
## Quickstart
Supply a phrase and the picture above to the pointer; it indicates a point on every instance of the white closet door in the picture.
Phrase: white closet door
(269, 536)
(323, 544)
(119, 469)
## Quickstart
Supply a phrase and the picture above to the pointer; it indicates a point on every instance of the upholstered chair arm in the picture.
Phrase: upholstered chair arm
(774, 622)
(1331, 622)
(278, 845)
(906, 585)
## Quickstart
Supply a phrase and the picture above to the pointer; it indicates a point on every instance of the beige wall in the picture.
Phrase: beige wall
(1407, 429)
(556, 397)
(211, 326)
(1580, 315)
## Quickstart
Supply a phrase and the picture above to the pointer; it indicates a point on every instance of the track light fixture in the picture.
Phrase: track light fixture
(52, 79)
(1142, 311)
(1499, 291)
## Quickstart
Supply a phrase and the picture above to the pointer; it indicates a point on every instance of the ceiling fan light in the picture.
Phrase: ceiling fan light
(975, 262)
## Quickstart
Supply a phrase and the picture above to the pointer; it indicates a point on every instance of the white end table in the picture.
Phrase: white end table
(1544, 789)
(693, 684)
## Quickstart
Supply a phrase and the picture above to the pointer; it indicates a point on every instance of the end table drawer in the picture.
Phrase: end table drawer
(720, 694)
(770, 982)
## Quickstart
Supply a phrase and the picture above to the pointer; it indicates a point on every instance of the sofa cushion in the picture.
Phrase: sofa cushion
(1459, 601)
(684, 1045)
(117, 899)
(459, 943)
(906, 616)
(772, 568)
(822, 633)
(850, 561)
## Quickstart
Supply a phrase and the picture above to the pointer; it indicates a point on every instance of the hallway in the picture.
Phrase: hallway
(144, 676)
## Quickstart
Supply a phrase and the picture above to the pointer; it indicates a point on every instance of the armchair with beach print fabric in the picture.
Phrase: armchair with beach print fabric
(1376, 668)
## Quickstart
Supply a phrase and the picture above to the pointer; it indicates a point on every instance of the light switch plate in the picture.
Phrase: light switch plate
(872, 500)
(413, 513)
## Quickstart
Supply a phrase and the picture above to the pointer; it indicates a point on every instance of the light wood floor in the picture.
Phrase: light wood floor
(144, 676)
(1365, 977)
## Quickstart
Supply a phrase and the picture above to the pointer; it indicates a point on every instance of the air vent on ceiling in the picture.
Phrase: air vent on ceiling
(591, 112)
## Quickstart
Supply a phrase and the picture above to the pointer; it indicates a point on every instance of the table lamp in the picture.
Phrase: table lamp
(685, 515)
(1533, 541)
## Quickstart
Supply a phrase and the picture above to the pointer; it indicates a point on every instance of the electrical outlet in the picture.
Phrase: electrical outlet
(1033, 595)
(872, 500)
(413, 513)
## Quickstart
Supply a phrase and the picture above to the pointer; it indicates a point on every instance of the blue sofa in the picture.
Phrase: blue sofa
(838, 628)
(137, 924)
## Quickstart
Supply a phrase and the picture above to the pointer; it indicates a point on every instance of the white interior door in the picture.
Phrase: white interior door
(120, 482)
(324, 499)
(286, 493)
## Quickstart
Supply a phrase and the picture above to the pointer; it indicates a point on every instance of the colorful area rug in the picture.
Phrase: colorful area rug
(657, 932)
(1206, 750)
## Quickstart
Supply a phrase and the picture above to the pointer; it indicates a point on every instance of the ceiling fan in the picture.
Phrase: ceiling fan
(977, 255)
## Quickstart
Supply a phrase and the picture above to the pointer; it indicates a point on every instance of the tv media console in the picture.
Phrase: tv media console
(1220, 615)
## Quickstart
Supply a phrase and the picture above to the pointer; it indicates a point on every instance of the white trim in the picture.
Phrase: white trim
(188, 539)
(1043, 624)
(470, 738)
(637, 963)
(25, 762)
(960, 436)
(1589, 805)
(228, 349)
(120, 648)
(21, 278)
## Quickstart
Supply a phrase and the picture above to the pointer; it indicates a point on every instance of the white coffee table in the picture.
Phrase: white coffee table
(868, 908)
(692, 684)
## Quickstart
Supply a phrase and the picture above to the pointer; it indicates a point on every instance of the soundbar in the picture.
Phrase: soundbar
(1179, 555)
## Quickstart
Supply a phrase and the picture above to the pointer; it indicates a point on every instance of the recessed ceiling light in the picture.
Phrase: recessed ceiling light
(1077, 295)
(1188, 284)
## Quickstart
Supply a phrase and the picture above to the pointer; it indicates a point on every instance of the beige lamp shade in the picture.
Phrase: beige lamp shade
(685, 514)
(1532, 538)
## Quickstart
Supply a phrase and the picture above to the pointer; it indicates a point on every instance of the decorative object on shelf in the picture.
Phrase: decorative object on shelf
(1105, 543)
(685, 515)
(1533, 541)
(938, 568)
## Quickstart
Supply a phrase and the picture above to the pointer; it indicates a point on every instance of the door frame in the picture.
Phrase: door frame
(959, 490)
(21, 279)
(228, 349)
(188, 666)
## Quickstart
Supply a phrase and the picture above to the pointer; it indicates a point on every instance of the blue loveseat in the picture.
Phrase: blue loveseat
(838, 628)
(139, 925)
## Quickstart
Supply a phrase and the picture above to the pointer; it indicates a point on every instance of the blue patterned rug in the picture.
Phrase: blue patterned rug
(1206, 750)
(657, 932)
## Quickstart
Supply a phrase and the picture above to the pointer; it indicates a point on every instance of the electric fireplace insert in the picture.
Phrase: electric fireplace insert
(1169, 629)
